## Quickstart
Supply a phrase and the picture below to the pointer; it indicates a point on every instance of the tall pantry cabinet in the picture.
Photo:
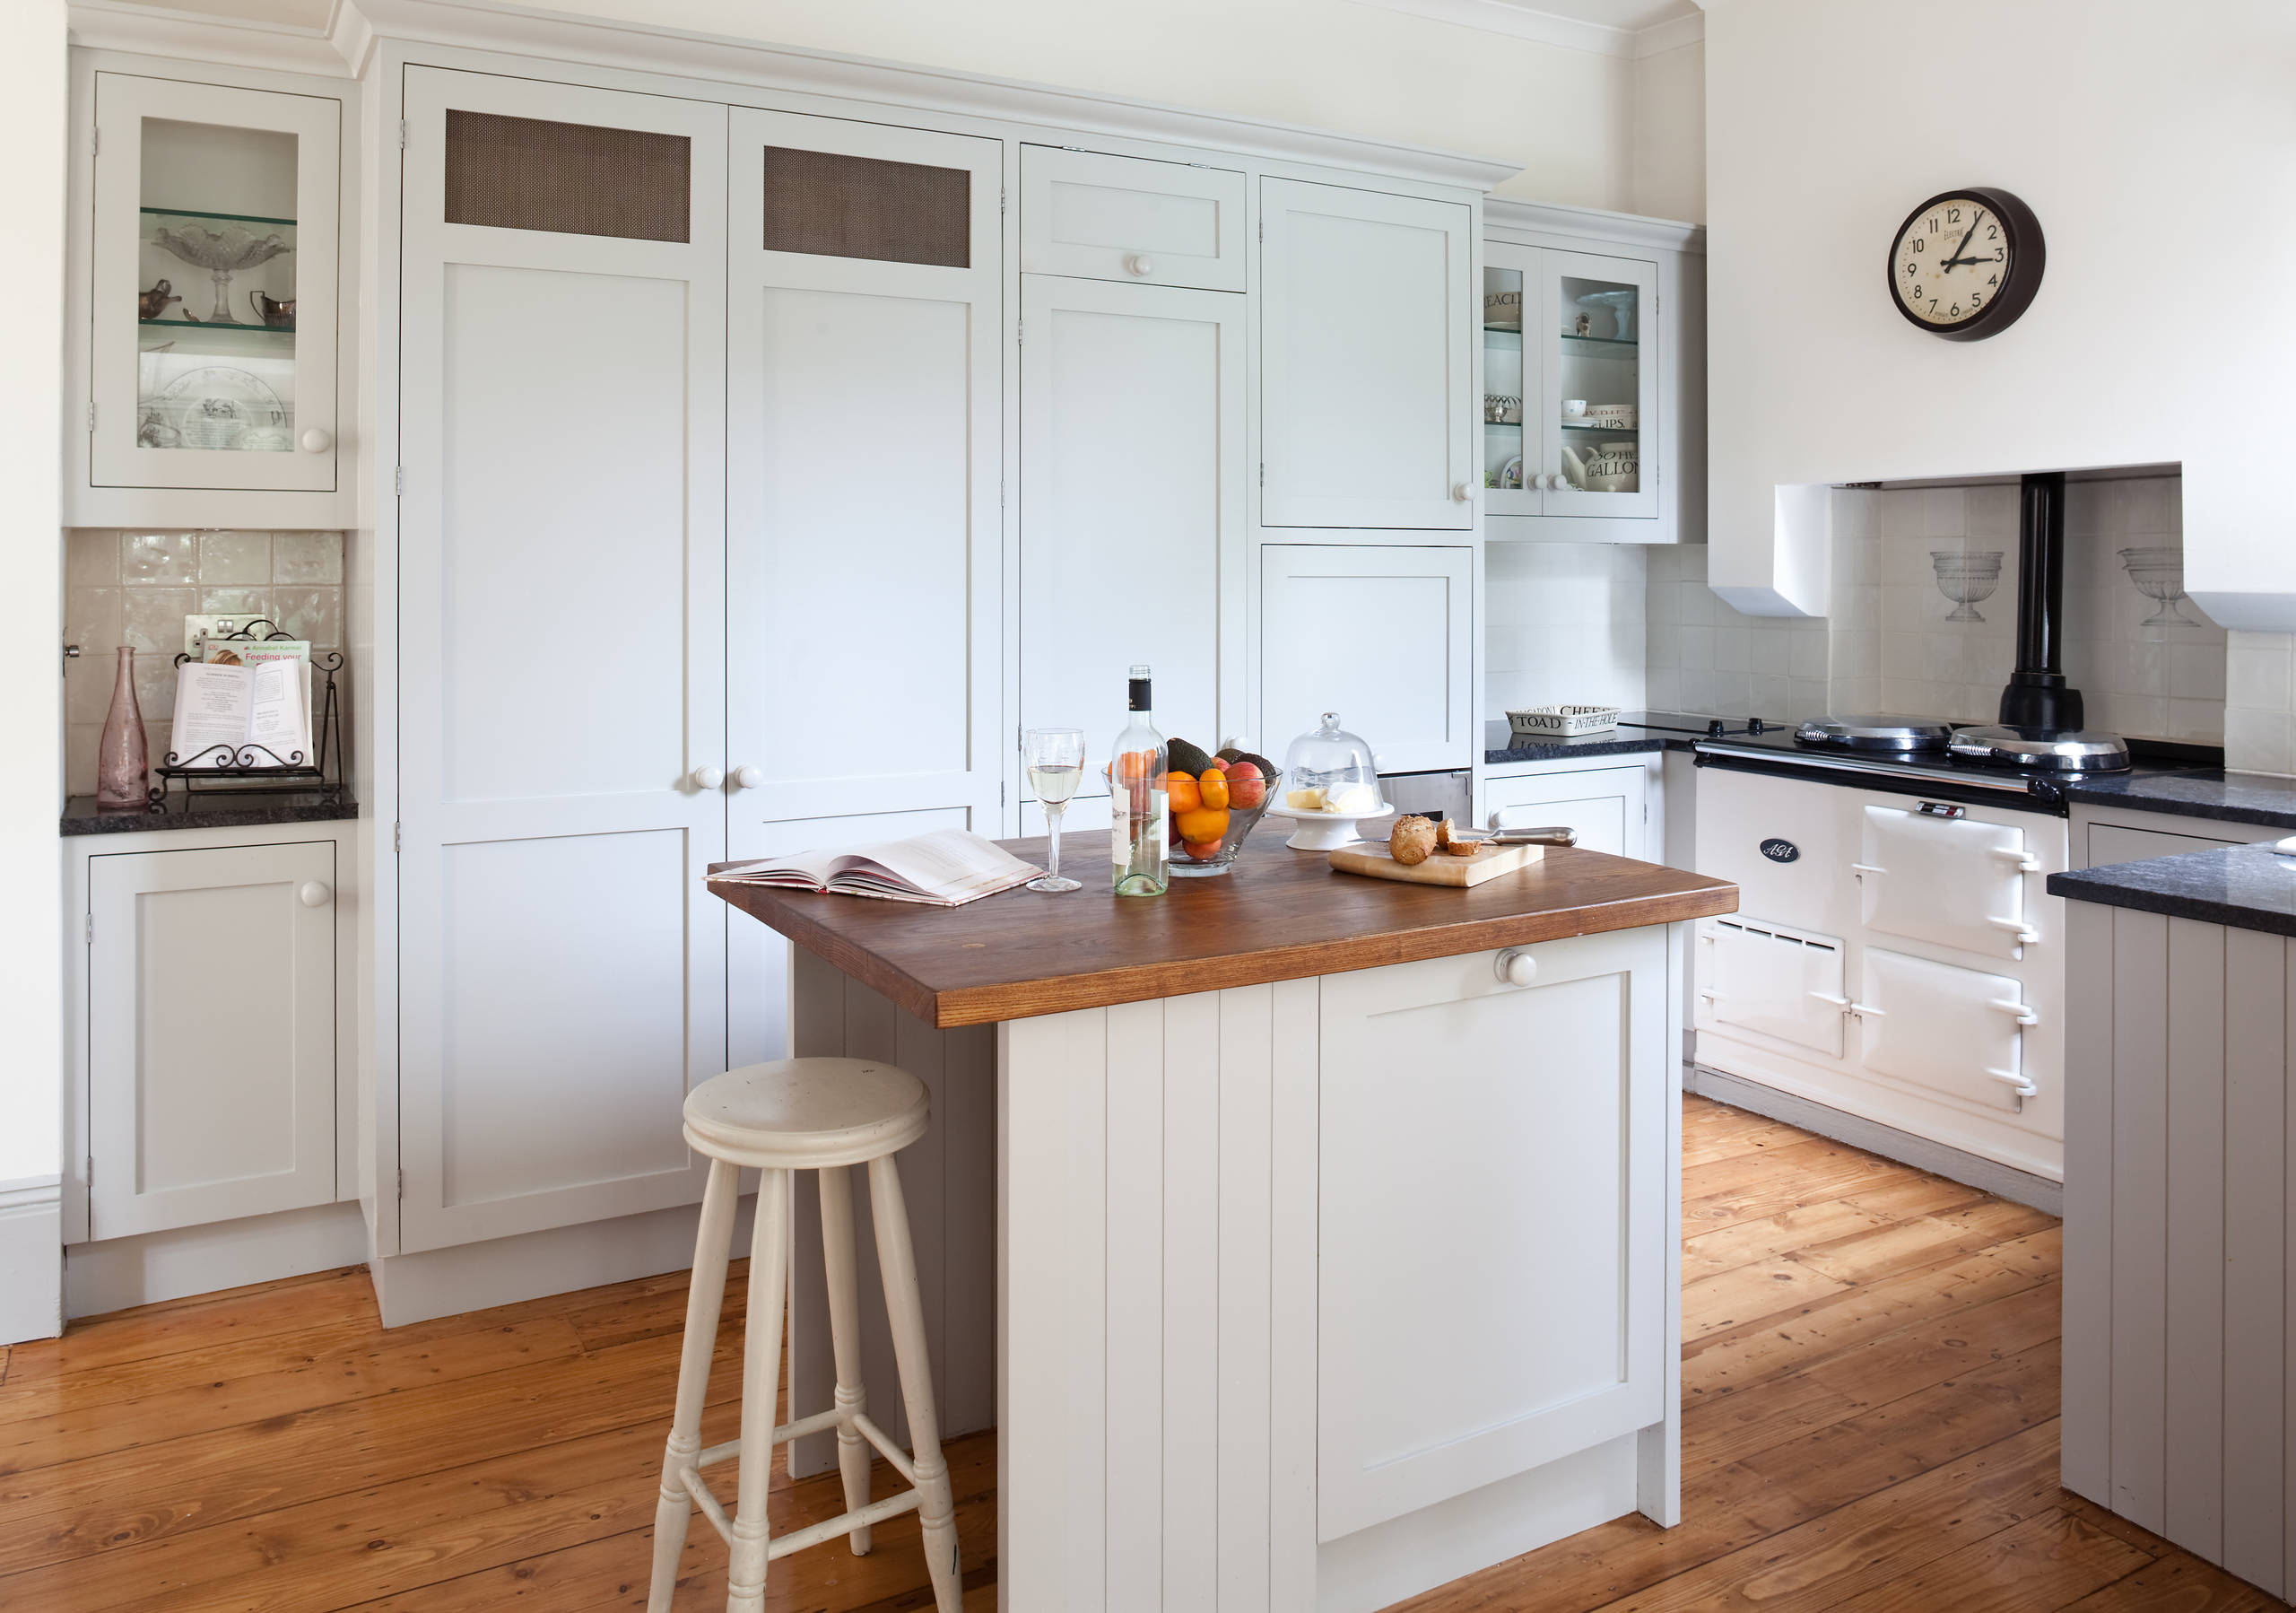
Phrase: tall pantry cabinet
(760, 472)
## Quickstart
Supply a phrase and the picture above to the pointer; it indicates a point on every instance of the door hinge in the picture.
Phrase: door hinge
(95, 141)
(1000, 493)
(88, 1180)
(402, 134)
(1000, 792)
(1019, 332)
(402, 1183)
(1263, 230)
(398, 482)
(1000, 201)
(398, 837)
(91, 928)
(1263, 475)
(91, 413)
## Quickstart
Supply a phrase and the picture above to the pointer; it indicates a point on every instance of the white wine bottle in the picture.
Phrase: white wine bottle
(1138, 820)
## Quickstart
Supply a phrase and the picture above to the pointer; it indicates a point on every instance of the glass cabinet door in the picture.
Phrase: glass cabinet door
(213, 276)
(1513, 455)
(1599, 411)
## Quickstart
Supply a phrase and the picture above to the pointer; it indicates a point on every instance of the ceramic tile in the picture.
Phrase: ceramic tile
(155, 685)
(87, 688)
(92, 620)
(1697, 647)
(91, 557)
(237, 602)
(2200, 721)
(1732, 646)
(151, 619)
(1944, 512)
(1769, 654)
(159, 558)
(80, 740)
(1992, 514)
(234, 557)
(2196, 671)
(1806, 697)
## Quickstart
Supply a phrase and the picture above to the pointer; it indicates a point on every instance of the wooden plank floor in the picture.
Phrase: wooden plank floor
(1871, 1364)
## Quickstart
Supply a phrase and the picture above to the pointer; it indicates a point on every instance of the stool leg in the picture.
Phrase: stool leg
(845, 1340)
(760, 1384)
(705, 1292)
(936, 1510)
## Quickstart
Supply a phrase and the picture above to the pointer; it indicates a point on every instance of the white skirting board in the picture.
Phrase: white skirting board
(1991, 1176)
(31, 1251)
(150, 1267)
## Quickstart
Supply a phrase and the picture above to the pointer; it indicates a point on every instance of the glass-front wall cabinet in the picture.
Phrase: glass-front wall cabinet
(213, 347)
(1570, 384)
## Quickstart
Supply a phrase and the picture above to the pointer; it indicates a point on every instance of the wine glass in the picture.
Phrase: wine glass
(1054, 758)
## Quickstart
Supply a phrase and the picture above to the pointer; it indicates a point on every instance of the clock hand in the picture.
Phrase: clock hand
(1964, 241)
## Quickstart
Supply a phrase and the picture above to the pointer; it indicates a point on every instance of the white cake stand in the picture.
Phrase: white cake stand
(1324, 830)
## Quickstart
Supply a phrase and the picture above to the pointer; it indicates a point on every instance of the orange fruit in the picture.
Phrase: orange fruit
(1202, 850)
(1181, 792)
(1201, 824)
(1132, 766)
(1213, 788)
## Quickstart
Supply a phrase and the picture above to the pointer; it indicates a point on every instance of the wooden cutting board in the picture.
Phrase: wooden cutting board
(1442, 869)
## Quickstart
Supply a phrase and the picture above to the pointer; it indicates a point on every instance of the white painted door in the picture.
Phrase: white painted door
(1383, 636)
(1494, 1156)
(1368, 412)
(1132, 492)
(1609, 806)
(205, 393)
(864, 540)
(1766, 978)
(562, 619)
(1594, 323)
(1131, 219)
(1516, 452)
(210, 1035)
(1958, 882)
(1950, 1031)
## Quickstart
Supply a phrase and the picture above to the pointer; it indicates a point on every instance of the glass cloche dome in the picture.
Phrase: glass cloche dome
(1332, 771)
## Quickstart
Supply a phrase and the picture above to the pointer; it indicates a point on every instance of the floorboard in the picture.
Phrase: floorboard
(1870, 1380)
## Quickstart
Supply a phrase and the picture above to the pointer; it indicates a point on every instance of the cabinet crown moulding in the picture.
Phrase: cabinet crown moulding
(1606, 230)
(357, 26)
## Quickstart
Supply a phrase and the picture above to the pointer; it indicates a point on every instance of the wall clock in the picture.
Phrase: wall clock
(1966, 263)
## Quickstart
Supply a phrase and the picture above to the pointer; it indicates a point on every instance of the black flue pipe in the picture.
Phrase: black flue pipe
(2037, 696)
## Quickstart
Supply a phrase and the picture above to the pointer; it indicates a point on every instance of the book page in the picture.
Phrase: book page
(946, 864)
(275, 716)
(254, 653)
(808, 869)
(211, 711)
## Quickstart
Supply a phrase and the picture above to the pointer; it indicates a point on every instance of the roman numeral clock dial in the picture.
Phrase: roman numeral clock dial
(1966, 264)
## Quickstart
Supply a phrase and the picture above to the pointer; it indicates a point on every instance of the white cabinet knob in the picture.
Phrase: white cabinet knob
(1516, 968)
(748, 776)
(316, 442)
(1464, 491)
(1139, 263)
(1553, 480)
(312, 893)
(708, 778)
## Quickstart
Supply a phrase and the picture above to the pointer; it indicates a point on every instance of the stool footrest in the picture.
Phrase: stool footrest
(830, 1529)
(707, 1502)
(782, 1436)
(885, 1447)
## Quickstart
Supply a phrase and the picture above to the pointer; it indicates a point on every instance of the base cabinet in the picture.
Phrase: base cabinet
(1607, 807)
(211, 1024)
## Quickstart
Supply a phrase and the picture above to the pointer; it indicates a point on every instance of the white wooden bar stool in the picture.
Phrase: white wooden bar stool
(802, 1114)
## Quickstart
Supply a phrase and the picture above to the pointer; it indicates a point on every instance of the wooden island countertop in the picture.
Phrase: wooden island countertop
(1277, 915)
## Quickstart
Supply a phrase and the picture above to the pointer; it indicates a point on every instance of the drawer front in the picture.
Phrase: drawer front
(1776, 981)
(1959, 1032)
(1957, 882)
(1604, 806)
(1098, 217)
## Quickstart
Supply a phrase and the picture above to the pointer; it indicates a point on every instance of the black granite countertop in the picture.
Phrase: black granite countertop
(2209, 793)
(1610, 742)
(2247, 887)
(82, 816)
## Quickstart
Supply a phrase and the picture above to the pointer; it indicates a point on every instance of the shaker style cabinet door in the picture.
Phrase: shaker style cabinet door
(1384, 636)
(213, 268)
(1366, 349)
(864, 566)
(1594, 320)
(1099, 217)
(561, 651)
(211, 1035)
(1132, 496)
(1607, 805)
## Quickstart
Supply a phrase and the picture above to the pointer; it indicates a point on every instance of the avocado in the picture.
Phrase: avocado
(1267, 770)
(1230, 754)
(1185, 758)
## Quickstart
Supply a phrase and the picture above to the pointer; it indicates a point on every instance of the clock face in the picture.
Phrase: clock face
(1951, 260)
(1966, 264)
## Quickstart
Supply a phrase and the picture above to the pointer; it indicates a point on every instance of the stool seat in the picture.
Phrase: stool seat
(806, 1114)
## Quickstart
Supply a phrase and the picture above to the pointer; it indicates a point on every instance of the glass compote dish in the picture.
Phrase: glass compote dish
(1247, 800)
(222, 253)
(1966, 579)
(1054, 758)
(2159, 574)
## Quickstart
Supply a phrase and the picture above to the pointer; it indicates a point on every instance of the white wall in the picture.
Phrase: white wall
(2158, 145)
(1668, 142)
(31, 554)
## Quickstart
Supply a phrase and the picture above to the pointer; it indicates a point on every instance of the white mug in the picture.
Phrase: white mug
(1574, 408)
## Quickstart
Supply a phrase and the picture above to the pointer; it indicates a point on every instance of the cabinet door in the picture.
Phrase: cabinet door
(1495, 1157)
(863, 539)
(1515, 428)
(1607, 805)
(1599, 412)
(211, 1035)
(1132, 506)
(1382, 636)
(561, 572)
(1099, 217)
(227, 198)
(1367, 337)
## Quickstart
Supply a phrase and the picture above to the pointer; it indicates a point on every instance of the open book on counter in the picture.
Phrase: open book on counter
(947, 867)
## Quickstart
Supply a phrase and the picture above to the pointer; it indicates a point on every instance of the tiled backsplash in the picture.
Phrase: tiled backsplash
(1705, 656)
(136, 588)
(1564, 625)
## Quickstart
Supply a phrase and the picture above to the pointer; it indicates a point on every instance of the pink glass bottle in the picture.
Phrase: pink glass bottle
(121, 759)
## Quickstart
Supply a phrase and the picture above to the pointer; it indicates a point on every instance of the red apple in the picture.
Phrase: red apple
(1247, 786)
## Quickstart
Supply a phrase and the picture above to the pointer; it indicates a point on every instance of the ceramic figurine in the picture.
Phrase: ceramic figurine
(1583, 326)
(152, 304)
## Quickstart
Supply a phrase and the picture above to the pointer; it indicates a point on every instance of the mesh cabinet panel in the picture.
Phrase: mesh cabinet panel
(828, 204)
(574, 179)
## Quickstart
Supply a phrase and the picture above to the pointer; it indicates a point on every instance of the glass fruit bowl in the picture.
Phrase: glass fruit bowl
(1247, 799)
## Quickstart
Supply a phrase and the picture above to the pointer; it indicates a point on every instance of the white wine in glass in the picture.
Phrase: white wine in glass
(1055, 759)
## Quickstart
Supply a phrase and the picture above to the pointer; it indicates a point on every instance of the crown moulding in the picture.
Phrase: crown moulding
(357, 27)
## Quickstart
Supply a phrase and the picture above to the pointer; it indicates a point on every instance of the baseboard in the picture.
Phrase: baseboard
(117, 1273)
(1991, 1176)
(31, 1258)
(1385, 1564)
(501, 1271)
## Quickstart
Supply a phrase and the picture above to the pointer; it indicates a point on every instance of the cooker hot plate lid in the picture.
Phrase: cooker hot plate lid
(2044, 750)
(1877, 731)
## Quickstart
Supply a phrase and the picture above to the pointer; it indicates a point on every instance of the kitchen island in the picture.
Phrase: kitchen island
(1302, 1256)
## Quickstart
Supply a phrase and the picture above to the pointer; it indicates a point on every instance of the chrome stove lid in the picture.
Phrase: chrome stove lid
(1877, 731)
(2044, 750)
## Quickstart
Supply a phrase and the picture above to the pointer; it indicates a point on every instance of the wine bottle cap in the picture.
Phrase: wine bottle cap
(1140, 701)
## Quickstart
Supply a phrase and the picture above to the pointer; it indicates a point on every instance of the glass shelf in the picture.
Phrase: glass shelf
(1600, 347)
(195, 337)
(1502, 425)
(228, 218)
(249, 327)
(1606, 431)
(1507, 337)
